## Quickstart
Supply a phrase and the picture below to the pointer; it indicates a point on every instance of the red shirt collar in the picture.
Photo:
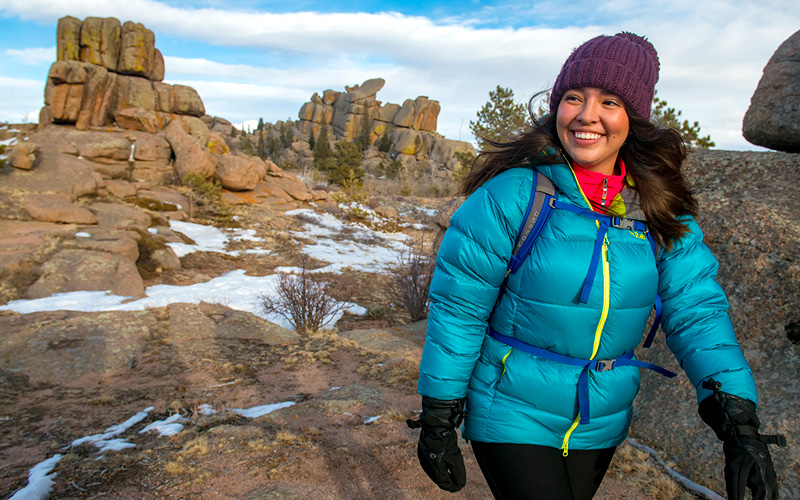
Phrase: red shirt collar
(599, 188)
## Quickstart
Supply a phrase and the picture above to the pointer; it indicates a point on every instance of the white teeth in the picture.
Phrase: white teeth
(586, 135)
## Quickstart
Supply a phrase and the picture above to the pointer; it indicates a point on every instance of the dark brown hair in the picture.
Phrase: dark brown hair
(653, 156)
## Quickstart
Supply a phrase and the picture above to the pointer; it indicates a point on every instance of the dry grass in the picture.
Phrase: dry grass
(196, 447)
(639, 470)
(397, 372)
(305, 439)
(316, 348)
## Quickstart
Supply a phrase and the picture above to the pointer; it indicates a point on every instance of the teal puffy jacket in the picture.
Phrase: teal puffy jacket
(516, 397)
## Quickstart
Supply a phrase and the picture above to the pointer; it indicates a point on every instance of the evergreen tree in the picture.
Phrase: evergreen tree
(262, 146)
(273, 145)
(260, 126)
(385, 143)
(322, 149)
(233, 131)
(287, 134)
(245, 145)
(668, 117)
(363, 140)
(311, 140)
(347, 164)
(500, 119)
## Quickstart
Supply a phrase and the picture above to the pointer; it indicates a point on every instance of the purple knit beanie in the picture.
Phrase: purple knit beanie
(625, 64)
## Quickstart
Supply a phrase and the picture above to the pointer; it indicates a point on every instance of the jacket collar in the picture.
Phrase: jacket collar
(567, 184)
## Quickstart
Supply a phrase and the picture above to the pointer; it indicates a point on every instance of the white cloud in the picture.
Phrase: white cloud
(22, 99)
(33, 56)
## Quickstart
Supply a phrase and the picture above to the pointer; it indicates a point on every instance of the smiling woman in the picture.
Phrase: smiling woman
(535, 355)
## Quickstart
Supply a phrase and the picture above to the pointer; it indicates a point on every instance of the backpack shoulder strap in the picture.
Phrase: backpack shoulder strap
(536, 216)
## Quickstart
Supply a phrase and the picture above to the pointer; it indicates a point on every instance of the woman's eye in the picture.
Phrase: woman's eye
(611, 102)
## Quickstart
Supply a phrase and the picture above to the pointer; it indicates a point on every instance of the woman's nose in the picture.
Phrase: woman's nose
(588, 112)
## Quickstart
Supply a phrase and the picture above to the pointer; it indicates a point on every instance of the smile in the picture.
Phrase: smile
(586, 135)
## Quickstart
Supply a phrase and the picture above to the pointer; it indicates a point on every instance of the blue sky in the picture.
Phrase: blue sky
(251, 59)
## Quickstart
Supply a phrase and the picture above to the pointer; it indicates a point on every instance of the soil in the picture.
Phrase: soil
(322, 447)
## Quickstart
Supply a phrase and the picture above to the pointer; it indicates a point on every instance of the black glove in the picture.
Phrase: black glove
(438, 450)
(748, 463)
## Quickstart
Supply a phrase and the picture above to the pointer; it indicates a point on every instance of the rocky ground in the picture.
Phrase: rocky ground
(344, 438)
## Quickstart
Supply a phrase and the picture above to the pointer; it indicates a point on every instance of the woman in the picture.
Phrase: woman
(509, 355)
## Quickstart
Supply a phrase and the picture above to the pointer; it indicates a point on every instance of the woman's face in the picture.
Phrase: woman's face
(592, 125)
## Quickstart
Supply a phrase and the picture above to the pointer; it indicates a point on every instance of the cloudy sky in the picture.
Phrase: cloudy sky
(265, 58)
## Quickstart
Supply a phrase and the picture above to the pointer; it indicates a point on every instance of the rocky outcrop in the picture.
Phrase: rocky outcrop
(410, 127)
(773, 118)
(77, 270)
(108, 73)
(346, 112)
(57, 208)
(190, 157)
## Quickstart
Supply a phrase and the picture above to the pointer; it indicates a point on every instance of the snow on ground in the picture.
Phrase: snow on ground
(363, 249)
(209, 238)
(234, 289)
(40, 481)
(105, 442)
(341, 244)
(167, 427)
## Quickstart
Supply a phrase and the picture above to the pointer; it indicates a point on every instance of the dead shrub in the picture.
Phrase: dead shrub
(308, 304)
(411, 279)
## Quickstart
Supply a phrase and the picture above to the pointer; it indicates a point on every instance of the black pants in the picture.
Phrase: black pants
(527, 471)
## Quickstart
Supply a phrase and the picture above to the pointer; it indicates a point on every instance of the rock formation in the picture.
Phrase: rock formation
(107, 73)
(411, 127)
(773, 119)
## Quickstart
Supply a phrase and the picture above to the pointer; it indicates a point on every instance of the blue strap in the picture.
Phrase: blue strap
(648, 341)
(620, 222)
(587, 364)
(594, 263)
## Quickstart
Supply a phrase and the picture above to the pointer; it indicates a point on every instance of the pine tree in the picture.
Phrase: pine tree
(348, 166)
(363, 140)
(500, 119)
(260, 126)
(668, 117)
(262, 146)
(311, 140)
(273, 145)
(287, 134)
(385, 143)
(322, 149)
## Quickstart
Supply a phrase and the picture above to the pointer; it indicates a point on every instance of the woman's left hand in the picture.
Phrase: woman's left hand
(748, 463)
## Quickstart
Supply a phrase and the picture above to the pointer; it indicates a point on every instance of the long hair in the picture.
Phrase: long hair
(653, 156)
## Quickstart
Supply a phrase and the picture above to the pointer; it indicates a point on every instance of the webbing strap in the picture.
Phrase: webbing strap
(536, 216)
(594, 263)
(648, 341)
(587, 365)
(613, 221)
